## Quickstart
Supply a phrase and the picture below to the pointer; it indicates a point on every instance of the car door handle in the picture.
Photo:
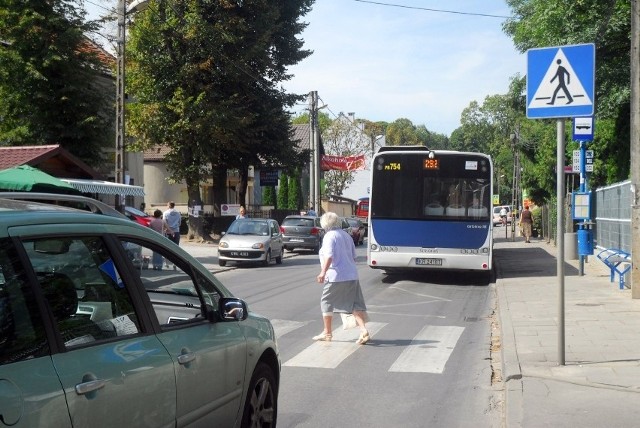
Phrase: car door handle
(186, 358)
(87, 387)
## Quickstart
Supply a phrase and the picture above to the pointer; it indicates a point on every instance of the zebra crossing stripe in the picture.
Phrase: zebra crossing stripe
(429, 350)
(329, 355)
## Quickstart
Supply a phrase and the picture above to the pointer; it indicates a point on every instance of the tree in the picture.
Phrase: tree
(269, 196)
(207, 79)
(343, 138)
(324, 121)
(295, 193)
(283, 192)
(607, 24)
(49, 80)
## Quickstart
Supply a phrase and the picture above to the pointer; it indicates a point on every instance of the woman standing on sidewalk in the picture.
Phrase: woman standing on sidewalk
(339, 274)
(526, 221)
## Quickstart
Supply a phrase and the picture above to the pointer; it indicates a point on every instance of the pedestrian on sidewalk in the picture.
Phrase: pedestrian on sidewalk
(174, 219)
(526, 222)
(338, 272)
(162, 227)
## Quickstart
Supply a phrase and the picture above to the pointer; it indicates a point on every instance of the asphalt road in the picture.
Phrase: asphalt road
(428, 363)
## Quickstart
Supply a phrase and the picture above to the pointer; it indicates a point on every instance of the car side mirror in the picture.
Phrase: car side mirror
(232, 309)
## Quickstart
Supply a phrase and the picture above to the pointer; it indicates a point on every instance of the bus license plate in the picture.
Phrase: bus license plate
(429, 262)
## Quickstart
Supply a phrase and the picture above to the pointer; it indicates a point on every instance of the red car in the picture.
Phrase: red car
(138, 216)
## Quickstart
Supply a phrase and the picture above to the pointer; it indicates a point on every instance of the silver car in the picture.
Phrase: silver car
(251, 240)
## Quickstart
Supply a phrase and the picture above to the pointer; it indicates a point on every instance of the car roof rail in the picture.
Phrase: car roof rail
(74, 201)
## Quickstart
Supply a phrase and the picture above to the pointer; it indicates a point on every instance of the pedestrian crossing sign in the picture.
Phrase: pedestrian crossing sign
(560, 81)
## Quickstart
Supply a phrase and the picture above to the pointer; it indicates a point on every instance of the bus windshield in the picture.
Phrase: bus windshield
(409, 186)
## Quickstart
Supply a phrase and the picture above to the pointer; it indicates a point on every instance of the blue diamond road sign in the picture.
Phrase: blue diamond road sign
(561, 81)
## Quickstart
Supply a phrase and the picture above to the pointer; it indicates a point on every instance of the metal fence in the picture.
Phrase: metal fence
(613, 216)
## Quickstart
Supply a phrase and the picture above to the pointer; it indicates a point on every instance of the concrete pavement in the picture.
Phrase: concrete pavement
(599, 384)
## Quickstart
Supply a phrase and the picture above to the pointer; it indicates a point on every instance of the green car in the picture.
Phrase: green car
(92, 336)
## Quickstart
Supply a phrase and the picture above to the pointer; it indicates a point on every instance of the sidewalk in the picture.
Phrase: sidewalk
(599, 385)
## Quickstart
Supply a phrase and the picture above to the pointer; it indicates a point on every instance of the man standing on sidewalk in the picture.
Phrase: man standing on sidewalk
(174, 219)
(526, 222)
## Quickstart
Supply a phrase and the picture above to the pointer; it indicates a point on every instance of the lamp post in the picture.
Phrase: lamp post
(120, 154)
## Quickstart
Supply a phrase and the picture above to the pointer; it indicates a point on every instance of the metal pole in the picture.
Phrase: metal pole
(120, 163)
(583, 188)
(560, 238)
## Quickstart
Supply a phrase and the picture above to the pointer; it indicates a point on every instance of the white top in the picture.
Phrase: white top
(338, 245)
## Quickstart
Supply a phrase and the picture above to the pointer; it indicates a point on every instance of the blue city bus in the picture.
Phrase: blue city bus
(430, 209)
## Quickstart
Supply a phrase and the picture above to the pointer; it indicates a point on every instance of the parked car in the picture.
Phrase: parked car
(301, 231)
(138, 216)
(89, 339)
(497, 220)
(357, 230)
(251, 240)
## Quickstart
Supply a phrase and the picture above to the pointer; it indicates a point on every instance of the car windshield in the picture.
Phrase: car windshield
(248, 227)
(353, 222)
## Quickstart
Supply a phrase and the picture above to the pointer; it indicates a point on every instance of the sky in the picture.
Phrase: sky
(418, 61)
(384, 62)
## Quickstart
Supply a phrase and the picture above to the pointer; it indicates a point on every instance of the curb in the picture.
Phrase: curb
(511, 370)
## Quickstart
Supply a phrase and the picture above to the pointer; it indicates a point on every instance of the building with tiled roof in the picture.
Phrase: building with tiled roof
(158, 190)
(52, 159)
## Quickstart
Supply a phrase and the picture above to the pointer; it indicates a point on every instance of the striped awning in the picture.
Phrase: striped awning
(104, 187)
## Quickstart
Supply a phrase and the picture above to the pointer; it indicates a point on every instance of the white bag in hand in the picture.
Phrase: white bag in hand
(349, 321)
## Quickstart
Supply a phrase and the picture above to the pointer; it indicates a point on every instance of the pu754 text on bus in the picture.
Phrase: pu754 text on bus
(430, 209)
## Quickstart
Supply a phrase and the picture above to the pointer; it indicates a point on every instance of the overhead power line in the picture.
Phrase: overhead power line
(486, 15)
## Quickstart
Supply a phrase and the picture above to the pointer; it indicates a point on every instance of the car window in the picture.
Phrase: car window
(300, 222)
(22, 333)
(178, 295)
(83, 289)
(275, 230)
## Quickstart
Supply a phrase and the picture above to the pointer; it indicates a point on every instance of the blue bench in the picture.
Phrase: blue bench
(618, 261)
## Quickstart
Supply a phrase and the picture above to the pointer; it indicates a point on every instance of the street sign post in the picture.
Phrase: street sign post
(561, 84)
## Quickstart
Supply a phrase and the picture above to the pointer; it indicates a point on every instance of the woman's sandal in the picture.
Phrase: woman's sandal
(323, 337)
(364, 338)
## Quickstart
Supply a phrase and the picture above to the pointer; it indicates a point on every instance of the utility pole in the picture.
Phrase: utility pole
(635, 149)
(120, 163)
(312, 164)
(317, 202)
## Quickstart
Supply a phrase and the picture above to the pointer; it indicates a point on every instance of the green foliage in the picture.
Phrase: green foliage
(402, 132)
(269, 196)
(324, 121)
(607, 24)
(283, 192)
(295, 192)
(207, 77)
(50, 81)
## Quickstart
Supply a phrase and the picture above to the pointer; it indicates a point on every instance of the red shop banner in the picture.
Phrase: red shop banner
(342, 163)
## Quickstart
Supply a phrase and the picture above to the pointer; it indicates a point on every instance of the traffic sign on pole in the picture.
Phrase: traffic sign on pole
(583, 128)
(561, 81)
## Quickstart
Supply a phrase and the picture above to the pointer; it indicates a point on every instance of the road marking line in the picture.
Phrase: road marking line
(329, 355)
(429, 350)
